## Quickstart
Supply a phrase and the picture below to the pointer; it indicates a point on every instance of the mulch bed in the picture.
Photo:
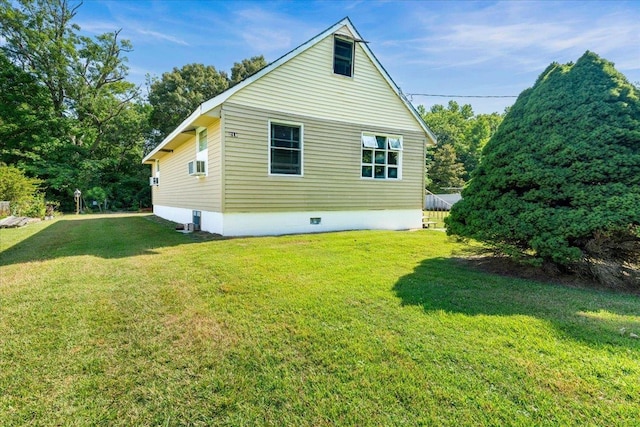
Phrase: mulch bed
(506, 267)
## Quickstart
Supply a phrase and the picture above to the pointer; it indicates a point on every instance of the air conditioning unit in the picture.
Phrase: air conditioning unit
(197, 168)
(154, 181)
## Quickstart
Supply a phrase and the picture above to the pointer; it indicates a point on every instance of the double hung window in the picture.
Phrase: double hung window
(198, 167)
(285, 151)
(343, 56)
(381, 156)
(202, 140)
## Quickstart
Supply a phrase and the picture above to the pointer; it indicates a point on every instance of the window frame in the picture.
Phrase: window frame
(270, 125)
(202, 153)
(397, 148)
(351, 42)
(199, 133)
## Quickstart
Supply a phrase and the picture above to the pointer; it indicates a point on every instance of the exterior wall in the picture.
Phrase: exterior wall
(276, 223)
(178, 189)
(307, 86)
(331, 161)
(256, 224)
(209, 221)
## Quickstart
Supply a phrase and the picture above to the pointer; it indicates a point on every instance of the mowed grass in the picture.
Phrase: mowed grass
(119, 320)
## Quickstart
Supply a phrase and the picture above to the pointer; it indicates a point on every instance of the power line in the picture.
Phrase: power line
(411, 95)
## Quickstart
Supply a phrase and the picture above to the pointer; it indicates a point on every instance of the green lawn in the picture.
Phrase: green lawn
(119, 320)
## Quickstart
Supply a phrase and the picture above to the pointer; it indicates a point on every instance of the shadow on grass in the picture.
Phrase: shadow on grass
(102, 236)
(591, 316)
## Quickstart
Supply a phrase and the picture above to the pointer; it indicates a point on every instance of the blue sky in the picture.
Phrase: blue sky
(428, 47)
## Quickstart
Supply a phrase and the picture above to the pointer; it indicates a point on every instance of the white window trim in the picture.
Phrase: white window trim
(202, 155)
(285, 123)
(387, 150)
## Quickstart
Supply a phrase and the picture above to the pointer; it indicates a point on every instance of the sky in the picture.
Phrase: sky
(491, 49)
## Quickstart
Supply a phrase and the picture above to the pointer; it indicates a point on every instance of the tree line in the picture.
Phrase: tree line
(69, 118)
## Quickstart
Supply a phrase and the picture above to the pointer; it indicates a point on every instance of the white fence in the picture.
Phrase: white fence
(440, 202)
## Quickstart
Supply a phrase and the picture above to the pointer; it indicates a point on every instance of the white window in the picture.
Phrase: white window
(202, 140)
(285, 148)
(202, 153)
(381, 156)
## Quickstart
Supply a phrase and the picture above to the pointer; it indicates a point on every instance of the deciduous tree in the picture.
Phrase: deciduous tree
(87, 94)
(177, 94)
(465, 133)
(245, 68)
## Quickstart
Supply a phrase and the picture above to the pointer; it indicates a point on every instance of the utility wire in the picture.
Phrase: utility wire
(411, 95)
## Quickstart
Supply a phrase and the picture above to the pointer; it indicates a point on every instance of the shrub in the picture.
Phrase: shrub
(22, 192)
(560, 179)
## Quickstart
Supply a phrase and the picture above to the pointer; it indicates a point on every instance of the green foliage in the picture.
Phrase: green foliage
(563, 168)
(27, 125)
(179, 92)
(445, 171)
(460, 132)
(67, 113)
(246, 68)
(22, 192)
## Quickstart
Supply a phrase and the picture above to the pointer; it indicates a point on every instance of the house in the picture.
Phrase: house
(322, 139)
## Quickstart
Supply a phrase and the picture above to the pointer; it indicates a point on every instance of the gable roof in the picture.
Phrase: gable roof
(218, 100)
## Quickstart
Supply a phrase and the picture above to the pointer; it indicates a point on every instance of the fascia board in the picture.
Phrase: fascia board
(177, 131)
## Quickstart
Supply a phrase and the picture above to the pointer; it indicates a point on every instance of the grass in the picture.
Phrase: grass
(119, 320)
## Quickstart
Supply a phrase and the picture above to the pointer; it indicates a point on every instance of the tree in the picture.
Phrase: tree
(28, 126)
(179, 92)
(40, 38)
(21, 191)
(87, 97)
(445, 171)
(246, 68)
(457, 127)
(560, 179)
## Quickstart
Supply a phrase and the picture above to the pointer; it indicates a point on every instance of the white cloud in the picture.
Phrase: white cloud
(99, 27)
(162, 36)
(270, 32)
(528, 35)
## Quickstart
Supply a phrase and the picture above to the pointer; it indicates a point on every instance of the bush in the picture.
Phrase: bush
(560, 179)
(22, 193)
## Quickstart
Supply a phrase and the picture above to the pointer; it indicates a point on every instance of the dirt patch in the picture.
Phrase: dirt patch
(507, 267)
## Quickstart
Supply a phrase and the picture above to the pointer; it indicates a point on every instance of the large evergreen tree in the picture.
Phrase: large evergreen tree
(561, 176)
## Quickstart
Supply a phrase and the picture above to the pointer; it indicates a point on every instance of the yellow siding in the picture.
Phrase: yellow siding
(332, 167)
(307, 86)
(178, 189)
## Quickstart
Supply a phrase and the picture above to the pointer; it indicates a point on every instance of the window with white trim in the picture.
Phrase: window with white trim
(343, 56)
(285, 148)
(202, 153)
(381, 156)
(202, 140)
